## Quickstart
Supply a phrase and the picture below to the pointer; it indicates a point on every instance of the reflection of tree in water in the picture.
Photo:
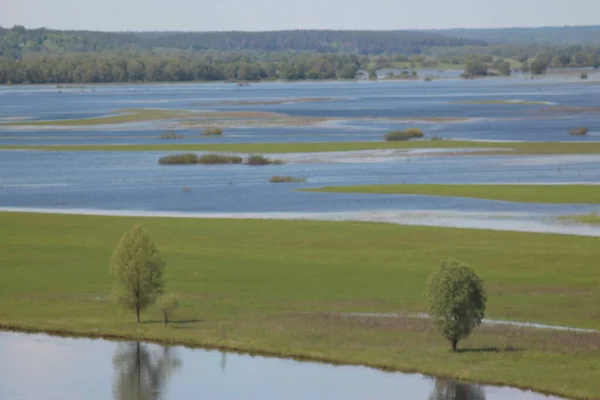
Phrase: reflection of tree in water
(451, 390)
(141, 373)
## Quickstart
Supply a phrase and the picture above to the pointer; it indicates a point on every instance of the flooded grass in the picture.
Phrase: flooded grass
(505, 102)
(266, 291)
(286, 179)
(593, 219)
(124, 116)
(258, 159)
(559, 194)
(504, 148)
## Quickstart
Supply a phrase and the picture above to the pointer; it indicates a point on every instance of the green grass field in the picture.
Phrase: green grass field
(563, 194)
(508, 148)
(276, 286)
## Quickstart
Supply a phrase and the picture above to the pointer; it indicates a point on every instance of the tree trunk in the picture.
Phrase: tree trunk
(137, 313)
(454, 345)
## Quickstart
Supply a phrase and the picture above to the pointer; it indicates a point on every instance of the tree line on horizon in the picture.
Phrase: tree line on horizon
(17, 42)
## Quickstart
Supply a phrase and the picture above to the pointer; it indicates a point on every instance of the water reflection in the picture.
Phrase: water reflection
(450, 390)
(142, 374)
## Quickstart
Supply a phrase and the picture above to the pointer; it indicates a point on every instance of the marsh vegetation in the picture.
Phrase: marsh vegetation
(410, 133)
(284, 179)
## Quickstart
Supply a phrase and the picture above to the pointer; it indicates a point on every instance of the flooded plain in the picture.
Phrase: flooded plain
(510, 109)
(41, 366)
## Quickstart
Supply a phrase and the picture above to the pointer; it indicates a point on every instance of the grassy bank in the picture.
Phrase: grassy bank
(274, 286)
(563, 194)
(507, 148)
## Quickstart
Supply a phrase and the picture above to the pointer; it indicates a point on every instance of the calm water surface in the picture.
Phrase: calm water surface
(51, 368)
(395, 99)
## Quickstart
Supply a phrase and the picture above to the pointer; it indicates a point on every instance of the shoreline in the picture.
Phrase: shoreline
(482, 221)
(259, 351)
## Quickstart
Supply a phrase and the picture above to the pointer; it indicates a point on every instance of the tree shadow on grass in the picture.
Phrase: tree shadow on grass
(508, 349)
(174, 322)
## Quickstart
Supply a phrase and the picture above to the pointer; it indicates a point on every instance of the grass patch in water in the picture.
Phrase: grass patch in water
(212, 131)
(178, 159)
(593, 218)
(125, 116)
(208, 159)
(170, 135)
(285, 179)
(410, 133)
(258, 159)
(503, 102)
(262, 286)
(579, 131)
(559, 194)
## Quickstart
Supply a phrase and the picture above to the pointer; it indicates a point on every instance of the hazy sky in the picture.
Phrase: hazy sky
(206, 15)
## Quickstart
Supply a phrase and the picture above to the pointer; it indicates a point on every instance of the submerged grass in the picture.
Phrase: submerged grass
(124, 116)
(563, 194)
(262, 286)
(593, 218)
(284, 179)
(500, 102)
(507, 148)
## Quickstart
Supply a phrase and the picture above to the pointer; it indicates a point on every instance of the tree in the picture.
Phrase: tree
(456, 299)
(167, 306)
(137, 268)
(476, 67)
(538, 66)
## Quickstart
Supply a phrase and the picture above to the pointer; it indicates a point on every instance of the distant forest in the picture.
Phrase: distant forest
(18, 41)
(51, 56)
(567, 35)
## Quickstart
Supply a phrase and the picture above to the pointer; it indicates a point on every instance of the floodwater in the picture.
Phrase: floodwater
(133, 183)
(52, 368)
(359, 110)
(116, 183)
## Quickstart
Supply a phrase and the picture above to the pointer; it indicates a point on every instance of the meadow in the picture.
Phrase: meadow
(478, 148)
(282, 288)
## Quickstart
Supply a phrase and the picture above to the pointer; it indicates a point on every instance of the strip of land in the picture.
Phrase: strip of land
(559, 194)
(592, 219)
(203, 118)
(275, 287)
(478, 148)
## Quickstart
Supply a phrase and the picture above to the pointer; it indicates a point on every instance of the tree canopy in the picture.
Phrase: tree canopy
(137, 267)
(456, 300)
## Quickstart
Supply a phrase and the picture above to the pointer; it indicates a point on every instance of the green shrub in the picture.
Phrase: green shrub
(219, 159)
(407, 134)
(584, 75)
(170, 135)
(579, 131)
(214, 131)
(262, 160)
(187, 158)
(284, 179)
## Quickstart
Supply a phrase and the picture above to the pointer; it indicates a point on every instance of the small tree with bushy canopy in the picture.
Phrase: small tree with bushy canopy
(138, 268)
(456, 299)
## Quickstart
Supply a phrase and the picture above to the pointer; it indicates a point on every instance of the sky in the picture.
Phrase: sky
(260, 15)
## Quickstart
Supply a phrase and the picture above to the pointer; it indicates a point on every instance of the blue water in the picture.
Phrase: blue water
(396, 99)
(52, 368)
(134, 181)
